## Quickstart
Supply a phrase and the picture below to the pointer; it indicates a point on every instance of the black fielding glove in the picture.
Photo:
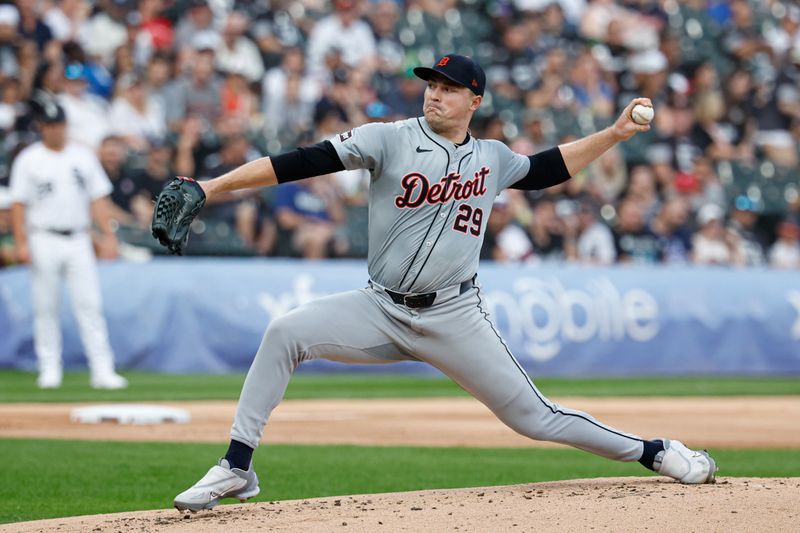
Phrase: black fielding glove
(175, 208)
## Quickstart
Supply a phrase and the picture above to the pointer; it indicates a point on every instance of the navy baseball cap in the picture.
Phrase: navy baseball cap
(461, 70)
(51, 113)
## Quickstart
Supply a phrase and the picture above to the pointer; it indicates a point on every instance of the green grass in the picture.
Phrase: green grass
(20, 387)
(54, 478)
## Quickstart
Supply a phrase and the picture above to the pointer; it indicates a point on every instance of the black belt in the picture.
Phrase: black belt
(424, 299)
(62, 232)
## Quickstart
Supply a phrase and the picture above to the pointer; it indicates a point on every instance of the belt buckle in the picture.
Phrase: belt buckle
(419, 300)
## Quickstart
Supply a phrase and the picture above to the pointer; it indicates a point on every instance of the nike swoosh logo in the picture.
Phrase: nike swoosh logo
(226, 489)
(421, 150)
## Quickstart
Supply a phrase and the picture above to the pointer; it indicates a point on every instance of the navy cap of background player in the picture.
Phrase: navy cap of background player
(458, 69)
(51, 113)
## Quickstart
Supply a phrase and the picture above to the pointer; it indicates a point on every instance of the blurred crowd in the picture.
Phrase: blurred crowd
(197, 87)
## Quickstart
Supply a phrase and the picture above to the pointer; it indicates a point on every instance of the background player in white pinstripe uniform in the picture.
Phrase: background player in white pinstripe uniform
(57, 187)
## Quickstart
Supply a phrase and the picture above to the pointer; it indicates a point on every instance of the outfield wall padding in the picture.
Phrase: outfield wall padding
(208, 316)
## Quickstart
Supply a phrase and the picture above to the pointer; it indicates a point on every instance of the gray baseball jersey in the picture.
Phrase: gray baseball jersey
(429, 205)
(429, 200)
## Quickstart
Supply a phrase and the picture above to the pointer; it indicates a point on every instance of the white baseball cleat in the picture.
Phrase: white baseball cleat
(112, 381)
(49, 379)
(220, 482)
(687, 466)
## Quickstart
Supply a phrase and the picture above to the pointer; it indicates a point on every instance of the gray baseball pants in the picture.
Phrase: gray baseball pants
(454, 335)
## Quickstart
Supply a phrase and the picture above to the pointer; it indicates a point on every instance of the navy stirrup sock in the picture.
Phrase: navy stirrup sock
(651, 449)
(239, 455)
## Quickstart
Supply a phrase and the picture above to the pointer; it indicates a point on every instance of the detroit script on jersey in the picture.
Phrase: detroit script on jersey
(417, 189)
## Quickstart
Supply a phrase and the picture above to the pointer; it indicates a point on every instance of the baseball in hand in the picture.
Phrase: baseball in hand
(642, 114)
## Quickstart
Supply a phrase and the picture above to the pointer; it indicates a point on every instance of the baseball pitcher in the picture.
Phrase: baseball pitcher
(431, 191)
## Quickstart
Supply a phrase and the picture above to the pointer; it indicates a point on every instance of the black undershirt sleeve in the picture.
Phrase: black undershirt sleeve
(547, 169)
(306, 162)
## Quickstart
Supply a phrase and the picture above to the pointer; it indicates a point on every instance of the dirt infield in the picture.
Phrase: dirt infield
(608, 504)
(621, 504)
(745, 422)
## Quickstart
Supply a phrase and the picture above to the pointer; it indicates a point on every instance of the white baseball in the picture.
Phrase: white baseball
(642, 114)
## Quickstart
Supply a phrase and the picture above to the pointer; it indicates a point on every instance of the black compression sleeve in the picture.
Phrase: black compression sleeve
(306, 162)
(547, 169)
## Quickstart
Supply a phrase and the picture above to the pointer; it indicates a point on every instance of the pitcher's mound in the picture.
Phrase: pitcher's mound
(606, 504)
